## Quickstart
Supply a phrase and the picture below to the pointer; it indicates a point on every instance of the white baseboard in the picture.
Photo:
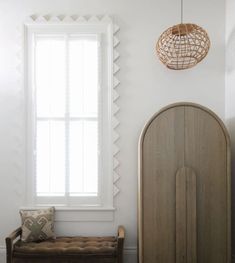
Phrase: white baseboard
(2, 254)
(130, 254)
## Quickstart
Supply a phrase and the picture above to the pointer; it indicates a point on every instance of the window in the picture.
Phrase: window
(69, 88)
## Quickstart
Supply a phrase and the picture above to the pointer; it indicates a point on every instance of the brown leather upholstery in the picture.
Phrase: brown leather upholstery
(66, 249)
(69, 245)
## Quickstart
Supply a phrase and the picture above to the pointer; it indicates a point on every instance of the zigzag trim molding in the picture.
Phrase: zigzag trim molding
(75, 19)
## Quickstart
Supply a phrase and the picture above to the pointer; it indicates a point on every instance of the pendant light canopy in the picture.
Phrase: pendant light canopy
(183, 46)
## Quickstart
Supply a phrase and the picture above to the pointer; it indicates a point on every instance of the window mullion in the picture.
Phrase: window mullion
(34, 119)
(99, 117)
(67, 122)
(83, 85)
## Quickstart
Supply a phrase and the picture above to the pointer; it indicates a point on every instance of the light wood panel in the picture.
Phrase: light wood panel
(196, 228)
(206, 153)
(186, 237)
(181, 216)
(162, 156)
(191, 197)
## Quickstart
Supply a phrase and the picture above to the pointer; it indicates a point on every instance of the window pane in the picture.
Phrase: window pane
(83, 76)
(50, 75)
(83, 158)
(50, 159)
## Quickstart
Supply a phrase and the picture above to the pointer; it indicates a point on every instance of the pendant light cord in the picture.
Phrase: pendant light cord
(182, 11)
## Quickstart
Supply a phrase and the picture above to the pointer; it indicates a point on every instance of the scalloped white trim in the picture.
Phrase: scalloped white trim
(64, 19)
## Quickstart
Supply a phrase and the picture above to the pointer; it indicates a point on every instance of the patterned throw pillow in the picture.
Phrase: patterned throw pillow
(37, 225)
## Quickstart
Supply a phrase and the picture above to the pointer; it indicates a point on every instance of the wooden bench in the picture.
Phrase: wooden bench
(66, 249)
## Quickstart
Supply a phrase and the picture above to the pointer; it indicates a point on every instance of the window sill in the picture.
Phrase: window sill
(80, 214)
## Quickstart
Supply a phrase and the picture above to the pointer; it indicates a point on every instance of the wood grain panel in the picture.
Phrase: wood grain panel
(163, 146)
(189, 136)
(191, 197)
(181, 216)
(206, 153)
(186, 237)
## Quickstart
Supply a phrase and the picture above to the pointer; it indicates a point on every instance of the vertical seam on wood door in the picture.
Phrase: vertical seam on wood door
(186, 189)
(184, 137)
(186, 214)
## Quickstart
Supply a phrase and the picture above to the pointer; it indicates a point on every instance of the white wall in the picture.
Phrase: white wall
(146, 86)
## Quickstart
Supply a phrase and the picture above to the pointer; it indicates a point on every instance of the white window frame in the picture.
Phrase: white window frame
(106, 30)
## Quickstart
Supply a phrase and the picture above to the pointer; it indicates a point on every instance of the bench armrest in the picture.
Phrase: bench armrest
(120, 237)
(9, 243)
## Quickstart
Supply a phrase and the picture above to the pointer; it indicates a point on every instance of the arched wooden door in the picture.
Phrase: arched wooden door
(184, 187)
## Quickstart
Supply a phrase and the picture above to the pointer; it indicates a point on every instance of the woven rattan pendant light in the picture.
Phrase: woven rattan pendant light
(183, 46)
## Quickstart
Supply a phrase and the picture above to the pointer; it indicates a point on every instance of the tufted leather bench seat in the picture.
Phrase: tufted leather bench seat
(66, 249)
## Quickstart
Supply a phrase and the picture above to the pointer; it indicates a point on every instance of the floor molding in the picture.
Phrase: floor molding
(2, 254)
(130, 250)
(130, 254)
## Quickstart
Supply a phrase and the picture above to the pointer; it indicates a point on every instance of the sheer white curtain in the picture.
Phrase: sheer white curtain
(66, 78)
